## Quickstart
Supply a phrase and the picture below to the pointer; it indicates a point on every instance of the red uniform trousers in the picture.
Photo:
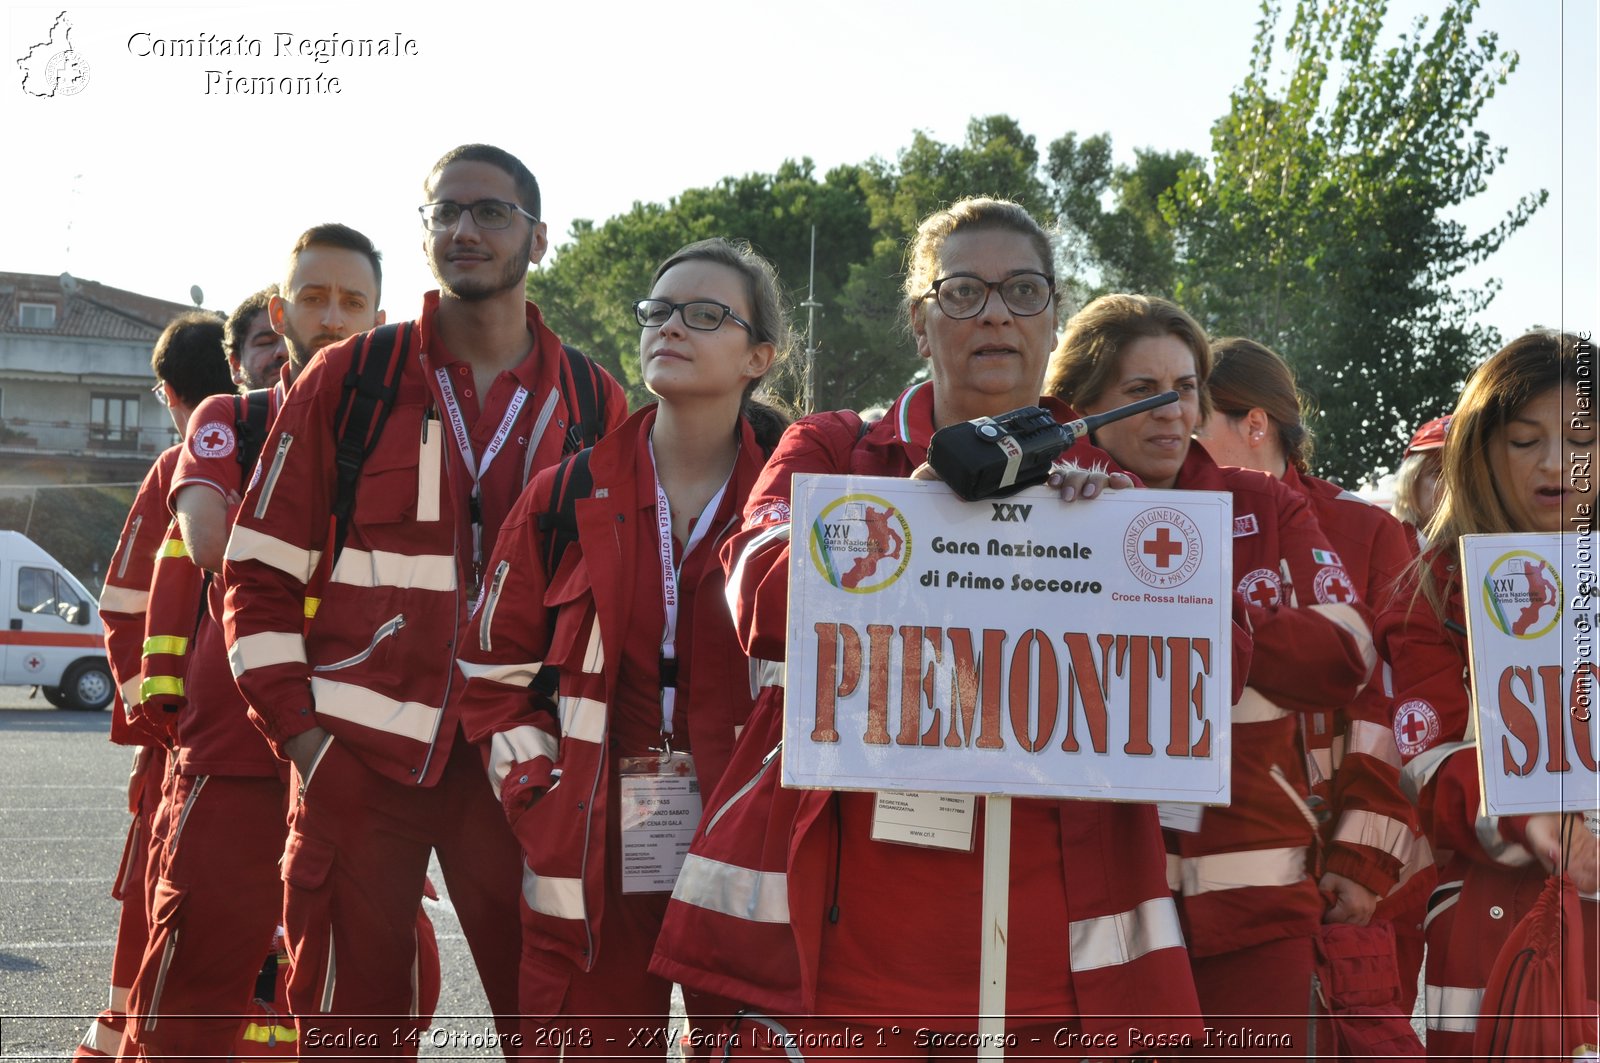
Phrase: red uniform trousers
(756, 1036)
(353, 872)
(617, 1010)
(216, 876)
(104, 1037)
(1257, 1001)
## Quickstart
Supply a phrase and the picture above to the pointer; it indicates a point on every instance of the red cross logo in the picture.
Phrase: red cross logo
(1333, 585)
(1416, 725)
(35, 662)
(213, 439)
(1263, 593)
(1163, 547)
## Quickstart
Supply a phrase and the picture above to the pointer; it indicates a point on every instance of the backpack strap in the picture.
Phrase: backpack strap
(250, 426)
(590, 400)
(369, 392)
(559, 523)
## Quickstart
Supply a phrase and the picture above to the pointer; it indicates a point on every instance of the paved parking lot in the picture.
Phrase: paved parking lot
(62, 825)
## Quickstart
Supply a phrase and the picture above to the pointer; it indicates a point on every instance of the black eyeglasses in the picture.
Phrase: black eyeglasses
(963, 295)
(486, 214)
(701, 315)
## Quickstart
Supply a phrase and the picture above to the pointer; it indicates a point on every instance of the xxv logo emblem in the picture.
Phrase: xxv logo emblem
(1010, 512)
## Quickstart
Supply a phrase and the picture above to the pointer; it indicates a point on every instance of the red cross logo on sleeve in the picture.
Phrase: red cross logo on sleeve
(213, 439)
(1333, 585)
(1163, 547)
(1260, 588)
(1416, 726)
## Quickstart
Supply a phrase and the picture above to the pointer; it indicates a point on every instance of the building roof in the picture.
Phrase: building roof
(88, 309)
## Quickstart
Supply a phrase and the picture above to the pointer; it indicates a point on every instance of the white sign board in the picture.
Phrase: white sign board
(1021, 646)
(1531, 613)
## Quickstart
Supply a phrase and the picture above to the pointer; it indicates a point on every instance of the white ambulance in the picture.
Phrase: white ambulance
(52, 638)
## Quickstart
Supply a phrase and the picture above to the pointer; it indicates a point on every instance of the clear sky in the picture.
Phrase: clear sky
(148, 181)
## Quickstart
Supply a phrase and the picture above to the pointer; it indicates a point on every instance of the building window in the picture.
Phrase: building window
(36, 315)
(114, 421)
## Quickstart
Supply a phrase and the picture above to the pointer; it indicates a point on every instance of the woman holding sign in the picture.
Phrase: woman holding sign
(850, 947)
(1516, 460)
(1250, 903)
(607, 570)
(1370, 840)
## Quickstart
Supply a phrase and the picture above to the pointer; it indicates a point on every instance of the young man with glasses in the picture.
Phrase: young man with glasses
(358, 697)
(216, 890)
(189, 365)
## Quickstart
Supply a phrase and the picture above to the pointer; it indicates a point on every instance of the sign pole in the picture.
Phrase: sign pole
(996, 915)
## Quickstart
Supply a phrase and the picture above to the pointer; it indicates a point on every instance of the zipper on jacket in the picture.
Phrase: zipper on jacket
(316, 762)
(127, 551)
(153, 1012)
(394, 624)
(490, 600)
(766, 762)
(272, 474)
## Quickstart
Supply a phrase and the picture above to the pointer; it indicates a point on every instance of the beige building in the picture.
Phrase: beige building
(75, 399)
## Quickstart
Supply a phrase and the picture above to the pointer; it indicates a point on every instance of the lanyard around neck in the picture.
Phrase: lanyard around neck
(669, 583)
(476, 467)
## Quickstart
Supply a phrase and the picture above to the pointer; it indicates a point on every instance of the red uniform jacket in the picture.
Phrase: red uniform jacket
(1245, 875)
(125, 598)
(1371, 835)
(214, 734)
(759, 895)
(585, 622)
(375, 666)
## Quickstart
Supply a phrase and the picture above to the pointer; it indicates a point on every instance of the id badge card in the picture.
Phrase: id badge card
(660, 811)
(933, 821)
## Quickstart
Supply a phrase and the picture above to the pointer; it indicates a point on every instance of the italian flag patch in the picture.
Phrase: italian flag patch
(1326, 557)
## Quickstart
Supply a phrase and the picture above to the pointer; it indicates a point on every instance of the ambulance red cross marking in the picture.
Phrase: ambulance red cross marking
(35, 662)
(1162, 547)
(1263, 593)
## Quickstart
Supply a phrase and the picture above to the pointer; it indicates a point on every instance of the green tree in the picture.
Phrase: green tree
(1321, 225)
(863, 215)
(1128, 248)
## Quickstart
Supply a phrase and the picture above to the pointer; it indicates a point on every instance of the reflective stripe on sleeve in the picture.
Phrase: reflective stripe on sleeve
(123, 600)
(1349, 618)
(582, 718)
(774, 533)
(175, 645)
(766, 674)
(247, 544)
(1501, 849)
(408, 719)
(130, 692)
(1417, 774)
(1110, 940)
(1452, 1009)
(1377, 831)
(1255, 707)
(159, 686)
(1373, 740)
(740, 892)
(560, 898)
(264, 649)
(519, 674)
(510, 748)
(173, 547)
(383, 568)
(1194, 875)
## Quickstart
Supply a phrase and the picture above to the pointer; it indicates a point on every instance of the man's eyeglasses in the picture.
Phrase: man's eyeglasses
(702, 316)
(962, 295)
(159, 390)
(486, 214)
